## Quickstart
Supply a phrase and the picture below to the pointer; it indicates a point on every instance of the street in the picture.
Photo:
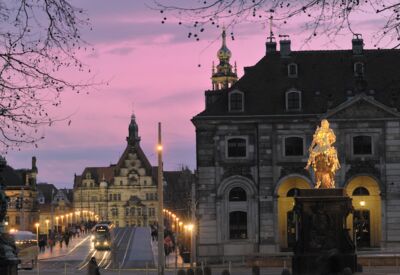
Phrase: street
(133, 252)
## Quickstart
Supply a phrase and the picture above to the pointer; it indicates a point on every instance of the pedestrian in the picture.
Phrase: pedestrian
(93, 268)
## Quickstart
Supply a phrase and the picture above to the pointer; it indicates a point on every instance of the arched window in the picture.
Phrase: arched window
(292, 192)
(237, 148)
(362, 145)
(360, 191)
(292, 70)
(294, 146)
(238, 225)
(236, 102)
(237, 194)
(358, 69)
(293, 100)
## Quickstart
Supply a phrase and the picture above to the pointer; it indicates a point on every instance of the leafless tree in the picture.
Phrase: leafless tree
(39, 42)
(318, 17)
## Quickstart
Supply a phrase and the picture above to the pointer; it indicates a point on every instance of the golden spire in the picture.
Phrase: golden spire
(223, 77)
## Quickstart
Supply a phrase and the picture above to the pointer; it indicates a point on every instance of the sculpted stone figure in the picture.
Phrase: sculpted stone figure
(323, 156)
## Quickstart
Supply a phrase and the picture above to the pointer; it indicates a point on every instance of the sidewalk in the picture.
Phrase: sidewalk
(60, 252)
(170, 259)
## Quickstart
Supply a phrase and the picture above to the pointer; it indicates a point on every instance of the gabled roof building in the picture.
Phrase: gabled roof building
(252, 140)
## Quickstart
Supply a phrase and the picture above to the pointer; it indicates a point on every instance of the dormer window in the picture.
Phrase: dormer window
(358, 69)
(236, 101)
(293, 100)
(292, 70)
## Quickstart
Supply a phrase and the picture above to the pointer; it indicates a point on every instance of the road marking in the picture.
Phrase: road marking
(129, 244)
(121, 237)
(87, 262)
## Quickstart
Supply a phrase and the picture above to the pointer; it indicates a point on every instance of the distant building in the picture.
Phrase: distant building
(124, 193)
(178, 192)
(252, 140)
(20, 187)
(54, 203)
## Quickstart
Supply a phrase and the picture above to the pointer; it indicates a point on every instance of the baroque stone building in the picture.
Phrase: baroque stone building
(252, 140)
(124, 193)
(21, 189)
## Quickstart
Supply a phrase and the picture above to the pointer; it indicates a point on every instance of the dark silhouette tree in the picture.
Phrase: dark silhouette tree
(317, 17)
(39, 43)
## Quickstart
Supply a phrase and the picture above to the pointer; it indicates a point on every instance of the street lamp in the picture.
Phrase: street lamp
(160, 193)
(47, 228)
(57, 223)
(190, 228)
(37, 232)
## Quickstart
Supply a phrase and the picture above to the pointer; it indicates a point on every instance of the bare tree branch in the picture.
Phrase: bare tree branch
(39, 42)
(321, 17)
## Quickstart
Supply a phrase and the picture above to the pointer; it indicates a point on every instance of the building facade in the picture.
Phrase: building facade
(124, 193)
(21, 189)
(53, 204)
(253, 139)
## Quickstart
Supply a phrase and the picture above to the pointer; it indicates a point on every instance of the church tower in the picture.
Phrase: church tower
(223, 77)
(133, 137)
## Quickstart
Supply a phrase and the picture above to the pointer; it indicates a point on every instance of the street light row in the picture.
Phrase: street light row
(169, 214)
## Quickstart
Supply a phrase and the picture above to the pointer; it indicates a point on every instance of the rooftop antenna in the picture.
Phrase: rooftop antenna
(271, 33)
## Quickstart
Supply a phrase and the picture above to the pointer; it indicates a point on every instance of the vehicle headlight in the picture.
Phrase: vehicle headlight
(98, 243)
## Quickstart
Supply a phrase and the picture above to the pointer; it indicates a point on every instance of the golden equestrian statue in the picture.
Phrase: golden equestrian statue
(323, 156)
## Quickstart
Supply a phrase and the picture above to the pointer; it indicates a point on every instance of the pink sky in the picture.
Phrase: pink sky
(154, 68)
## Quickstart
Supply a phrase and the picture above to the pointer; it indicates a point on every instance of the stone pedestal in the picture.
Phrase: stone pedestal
(323, 243)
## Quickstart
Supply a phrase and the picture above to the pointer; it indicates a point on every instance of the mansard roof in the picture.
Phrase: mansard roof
(47, 189)
(96, 174)
(326, 79)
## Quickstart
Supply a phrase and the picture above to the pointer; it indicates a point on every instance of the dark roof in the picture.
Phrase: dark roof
(97, 174)
(324, 78)
(47, 189)
(69, 193)
(141, 155)
(13, 177)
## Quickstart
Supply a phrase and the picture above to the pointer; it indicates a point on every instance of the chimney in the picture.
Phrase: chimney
(270, 45)
(284, 45)
(357, 44)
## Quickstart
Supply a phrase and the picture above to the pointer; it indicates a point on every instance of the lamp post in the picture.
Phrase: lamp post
(37, 232)
(160, 217)
(190, 228)
(47, 228)
(176, 241)
(57, 223)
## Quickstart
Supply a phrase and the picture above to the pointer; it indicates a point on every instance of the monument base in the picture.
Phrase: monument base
(323, 242)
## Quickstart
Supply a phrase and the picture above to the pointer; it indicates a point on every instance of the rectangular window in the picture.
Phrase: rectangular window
(17, 220)
(362, 145)
(294, 146)
(237, 147)
(110, 197)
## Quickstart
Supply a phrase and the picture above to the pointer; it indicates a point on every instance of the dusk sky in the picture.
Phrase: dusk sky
(153, 69)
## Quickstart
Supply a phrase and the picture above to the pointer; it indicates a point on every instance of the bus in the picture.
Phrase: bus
(27, 248)
(102, 236)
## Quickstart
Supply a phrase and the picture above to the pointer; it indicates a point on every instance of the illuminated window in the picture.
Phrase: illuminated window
(360, 191)
(237, 148)
(238, 225)
(237, 194)
(293, 101)
(362, 145)
(236, 102)
(294, 146)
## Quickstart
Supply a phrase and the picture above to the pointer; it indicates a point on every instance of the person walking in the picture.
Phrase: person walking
(93, 268)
